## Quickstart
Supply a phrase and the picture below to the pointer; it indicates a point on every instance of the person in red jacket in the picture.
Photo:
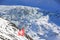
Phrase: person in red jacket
(21, 32)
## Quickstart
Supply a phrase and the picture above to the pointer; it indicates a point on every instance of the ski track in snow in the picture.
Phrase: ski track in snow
(36, 25)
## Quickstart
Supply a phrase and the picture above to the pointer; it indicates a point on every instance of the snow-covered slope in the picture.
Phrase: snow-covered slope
(9, 32)
(36, 24)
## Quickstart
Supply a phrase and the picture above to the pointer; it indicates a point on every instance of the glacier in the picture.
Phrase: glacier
(36, 24)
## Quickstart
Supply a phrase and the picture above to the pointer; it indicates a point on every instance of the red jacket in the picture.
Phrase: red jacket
(21, 32)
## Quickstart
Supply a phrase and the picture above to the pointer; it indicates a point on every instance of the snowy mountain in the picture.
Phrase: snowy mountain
(36, 22)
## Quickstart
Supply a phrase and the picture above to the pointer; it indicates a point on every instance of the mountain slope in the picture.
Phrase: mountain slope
(36, 21)
(9, 32)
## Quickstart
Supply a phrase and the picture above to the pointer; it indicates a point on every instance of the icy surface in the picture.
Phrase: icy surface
(37, 25)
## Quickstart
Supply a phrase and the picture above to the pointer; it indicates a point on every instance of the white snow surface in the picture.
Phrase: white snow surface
(36, 25)
(9, 32)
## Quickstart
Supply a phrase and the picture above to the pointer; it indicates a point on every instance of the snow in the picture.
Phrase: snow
(7, 32)
(36, 25)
